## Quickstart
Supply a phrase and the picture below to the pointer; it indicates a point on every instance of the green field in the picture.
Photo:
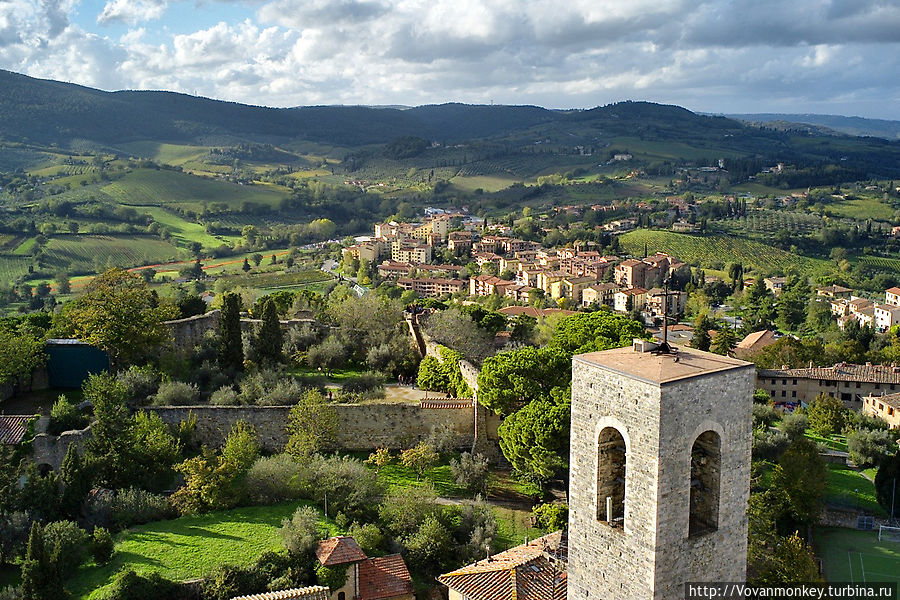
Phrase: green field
(856, 556)
(881, 262)
(86, 253)
(849, 488)
(183, 230)
(13, 267)
(707, 249)
(862, 209)
(488, 183)
(172, 154)
(189, 547)
(151, 187)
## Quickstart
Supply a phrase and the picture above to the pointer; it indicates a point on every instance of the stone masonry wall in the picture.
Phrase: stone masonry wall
(51, 449)
(187, 333)
(360, 426)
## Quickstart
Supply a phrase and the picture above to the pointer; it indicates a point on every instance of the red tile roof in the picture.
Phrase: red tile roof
(315, 592)
(841, 372)
(339, 551)
(384, 577)
(13, 428)
(525, 572)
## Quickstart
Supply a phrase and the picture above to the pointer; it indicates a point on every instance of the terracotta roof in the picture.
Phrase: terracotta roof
(527, 572)
(315, 592)
(841, 372)
(384, 577)
(13, 428)
(756, 339)
(894, 290)
(339, 551)
(892, 400)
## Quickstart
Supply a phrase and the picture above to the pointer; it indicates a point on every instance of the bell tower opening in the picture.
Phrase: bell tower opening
(611, 458)
(705, 471)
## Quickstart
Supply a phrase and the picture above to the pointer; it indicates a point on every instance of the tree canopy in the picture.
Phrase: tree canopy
(119, 314)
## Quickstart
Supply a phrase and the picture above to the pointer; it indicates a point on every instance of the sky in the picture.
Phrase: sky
(719, 56)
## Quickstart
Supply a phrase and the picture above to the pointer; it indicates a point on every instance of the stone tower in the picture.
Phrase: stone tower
(659, 472)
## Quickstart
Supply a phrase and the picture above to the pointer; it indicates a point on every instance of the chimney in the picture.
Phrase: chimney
(642, 346)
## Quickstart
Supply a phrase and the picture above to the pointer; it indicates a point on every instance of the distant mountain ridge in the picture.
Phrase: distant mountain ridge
(856, 126)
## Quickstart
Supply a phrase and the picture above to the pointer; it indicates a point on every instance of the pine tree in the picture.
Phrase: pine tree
(76, 481)
(268, 337)
(722, 342)
(231, 347)
(245, 266)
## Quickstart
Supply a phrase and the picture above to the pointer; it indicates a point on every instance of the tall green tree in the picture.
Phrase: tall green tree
(723, 342)
(792, 303)
(802, 475)
(231, 346)
(111, 444)
(40, 576)
(269, 340)
(312, 425)
(120, 314)
(702, 339)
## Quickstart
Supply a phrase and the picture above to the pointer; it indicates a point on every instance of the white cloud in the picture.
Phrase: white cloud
(132, 12)
(713, 55)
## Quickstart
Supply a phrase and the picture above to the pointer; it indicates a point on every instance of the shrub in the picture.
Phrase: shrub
(551, 516)
(102, 545)
(332, 577)
(368, 536)
(12, 593)
(769, 445)
(224, 396)
(363, 383)
(132, 506)
(256, 385)
(312, 425)
(764, 416)
(430, 547)
(14, 527)
(65, 416)
(869, 448)
(443, 438)
(352, 488)
(471, 472)
(402, 511)
(68, 542)
(761, 397)
(128, 585)
(860, 420)
(794, 425)
(140, 383)
(176, 393)
(477, 528)
(273, 479)
(301, 532)
(284, 393)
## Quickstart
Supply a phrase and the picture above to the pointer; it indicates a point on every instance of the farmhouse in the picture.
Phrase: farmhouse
(886, 407)
(847, 382)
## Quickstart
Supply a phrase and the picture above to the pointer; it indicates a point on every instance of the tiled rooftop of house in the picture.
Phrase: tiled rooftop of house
(841, 372)
(339, 550)
(384, 577)
(315, 592)
(532, 571)
(13, 428)
(892, 400)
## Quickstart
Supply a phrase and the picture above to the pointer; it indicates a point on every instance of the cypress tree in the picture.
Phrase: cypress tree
(231, 347)
(40, 575)
(77, 481)
(268, 338)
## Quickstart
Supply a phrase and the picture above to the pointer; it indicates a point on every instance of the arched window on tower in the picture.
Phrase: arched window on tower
(706, 458)
(611, 458)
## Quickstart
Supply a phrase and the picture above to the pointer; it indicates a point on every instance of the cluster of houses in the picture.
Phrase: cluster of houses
(404, 254)
(880, 316)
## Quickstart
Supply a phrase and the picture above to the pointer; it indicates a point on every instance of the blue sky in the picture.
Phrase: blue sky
(817, 56)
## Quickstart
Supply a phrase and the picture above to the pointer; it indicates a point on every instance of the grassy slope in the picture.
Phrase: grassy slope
(187, 231)
(79, 252)
(152, 187)
(862, 209)
(189, 547)
(710, 248)
(848, 487)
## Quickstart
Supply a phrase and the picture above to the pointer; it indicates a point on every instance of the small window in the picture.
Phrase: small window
(794, 394)
(890, 411)
(857, 385)
(793, 382)
(783, 393)
(846, 384)
(342, 596)
(784, 382)
(880, 406)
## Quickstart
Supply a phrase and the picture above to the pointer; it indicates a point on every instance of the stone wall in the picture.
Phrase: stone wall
(360, 426)
(51, 449)
(187, 333)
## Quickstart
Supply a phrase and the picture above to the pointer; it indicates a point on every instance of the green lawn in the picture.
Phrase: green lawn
(513, 528)
(834, 442)
(186, 231)
(189, 547)
(861, 209)
(856, 556)
(850, 488)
